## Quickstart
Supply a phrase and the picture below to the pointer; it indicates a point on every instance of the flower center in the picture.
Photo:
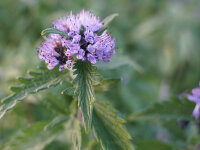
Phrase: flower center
(60, 50)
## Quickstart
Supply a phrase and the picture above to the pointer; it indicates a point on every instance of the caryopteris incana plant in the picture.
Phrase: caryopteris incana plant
(71, 48)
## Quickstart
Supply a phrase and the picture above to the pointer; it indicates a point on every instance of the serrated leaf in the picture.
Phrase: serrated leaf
(54, 31)
(85, 91)
(40, 80)
(109, 129)
(106, 22)
(168, 110)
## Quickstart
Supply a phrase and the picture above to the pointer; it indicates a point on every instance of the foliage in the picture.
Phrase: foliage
(84, 73)
(38, 81)
(53, 30)
(165, 110)
(157, 57)
(106, 22)
(32, 137)
(152, 145)
(108, 128)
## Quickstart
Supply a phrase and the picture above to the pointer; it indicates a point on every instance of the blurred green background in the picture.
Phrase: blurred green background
(160, 40)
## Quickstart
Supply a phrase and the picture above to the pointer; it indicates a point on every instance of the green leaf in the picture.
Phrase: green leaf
(109, 129)
(73, 128)
(56, 121)
(168, 110)
(106, 22)
(56, 103)
(76, 136)
(84, 72)
(38, 81)
(57, 145)
(152, 145)
(55, 31)
(69, 91)
(108, 19)
(32, 138)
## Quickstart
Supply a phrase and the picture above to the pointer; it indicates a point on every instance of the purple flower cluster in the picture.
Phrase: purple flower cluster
(195, 97)
(83, 42)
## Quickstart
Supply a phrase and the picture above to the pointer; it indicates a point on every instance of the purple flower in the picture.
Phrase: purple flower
(68, 63)
(61, 24)
(89, 21)
(83, 42)
(90, 36)
(195, 97)
(81, 54)
(91, 58)
(76, 38)
(62, 67)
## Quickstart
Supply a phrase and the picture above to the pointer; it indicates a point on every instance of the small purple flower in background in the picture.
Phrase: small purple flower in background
(83, 43)
(195, 97)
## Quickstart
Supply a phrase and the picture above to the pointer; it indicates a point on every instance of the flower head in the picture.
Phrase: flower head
(195, 97)
(83, 42)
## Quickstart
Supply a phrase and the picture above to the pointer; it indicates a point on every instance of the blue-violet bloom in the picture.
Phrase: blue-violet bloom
(83, 43)
(195, 97)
